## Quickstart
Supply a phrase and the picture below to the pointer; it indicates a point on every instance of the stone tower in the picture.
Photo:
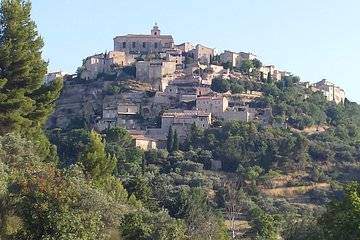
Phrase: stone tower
(155, 31)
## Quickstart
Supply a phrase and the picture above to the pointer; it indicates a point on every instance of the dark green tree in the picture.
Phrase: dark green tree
(97, 163)
(175, 146)
(246, 66)
(170, 139)
(342, 218)
(25, 102)
(220, 85)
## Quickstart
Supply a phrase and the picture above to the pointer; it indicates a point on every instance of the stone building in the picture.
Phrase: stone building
(181, 121)
(50, 77)
(185, 47)
(142, 43)
(331, 92)
(142, 141)
(236, 58)
(104, 62)
(123, 114)
(158, 73)
(214, 105)
(203, 54)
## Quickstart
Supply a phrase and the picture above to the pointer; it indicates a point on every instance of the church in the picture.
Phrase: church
(144, 44)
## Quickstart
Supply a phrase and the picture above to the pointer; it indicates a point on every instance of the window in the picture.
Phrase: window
(156, 45)
(134, 44)
(124, 44)
(144, 44)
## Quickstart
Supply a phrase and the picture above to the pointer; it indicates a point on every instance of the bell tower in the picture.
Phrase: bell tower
(155, 31)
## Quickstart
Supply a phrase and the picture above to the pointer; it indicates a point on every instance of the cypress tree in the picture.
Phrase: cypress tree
(25, 102)
(175, 142)
(269, 78)
(169, 141)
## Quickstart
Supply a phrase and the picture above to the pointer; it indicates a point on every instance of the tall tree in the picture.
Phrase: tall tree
(25, 102)
(170, 139)
(175, 142)
(95, 160)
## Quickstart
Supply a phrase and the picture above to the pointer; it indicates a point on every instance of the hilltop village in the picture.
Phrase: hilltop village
(151, 86)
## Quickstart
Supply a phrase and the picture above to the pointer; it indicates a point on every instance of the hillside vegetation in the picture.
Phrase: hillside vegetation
(275, 182)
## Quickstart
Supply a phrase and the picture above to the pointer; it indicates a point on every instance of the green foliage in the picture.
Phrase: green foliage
(265, 225)
(96, 162)
(25, 103)
(220, 85)
(42, 202)
(342, 218)
(175, 146)
(202, 221)
(246, 66)
(169, 140)
(143, 225)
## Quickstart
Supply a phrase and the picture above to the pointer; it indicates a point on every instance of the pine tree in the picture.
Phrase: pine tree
(175, 146)
(169, 141)
(96, 162)
(25, 103)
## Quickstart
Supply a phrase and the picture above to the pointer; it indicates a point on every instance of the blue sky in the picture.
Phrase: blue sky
(314, 39)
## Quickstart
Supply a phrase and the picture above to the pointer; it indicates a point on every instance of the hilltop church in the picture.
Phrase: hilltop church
(142, 43)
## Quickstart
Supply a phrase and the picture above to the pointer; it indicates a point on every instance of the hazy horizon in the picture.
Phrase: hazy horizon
(313, 40)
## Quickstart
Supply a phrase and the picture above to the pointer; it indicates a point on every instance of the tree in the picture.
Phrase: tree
(342, 218)
(43, 202)
(269, 78)
(175, 142)
(25, 102)
(143, 225)
(169, 140)
(201, 220)
(246, 66)
(220, 85)
(96, 162)
(256, 63)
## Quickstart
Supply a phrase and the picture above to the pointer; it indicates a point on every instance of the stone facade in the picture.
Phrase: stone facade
(124, 114)
(156, 72)
(139, 43)
(214, 105)
(142, 141)
(104, 62)
(331, 92)
(236, 58)
(276, 74)
(185, 47)
(50, 77)
(182, 121)
(203, 54)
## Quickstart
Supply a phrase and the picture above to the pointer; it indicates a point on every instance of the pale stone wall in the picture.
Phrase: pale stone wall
(145, 144)
(157, 73)
(228, 56)
(330, 91)
(185, 47)
(144, 43)
(244, 116)
(127, 108)
(102, 63)
(110, 113)
(182, 121)
(203, 54)
(50, 77)
(213, 105)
